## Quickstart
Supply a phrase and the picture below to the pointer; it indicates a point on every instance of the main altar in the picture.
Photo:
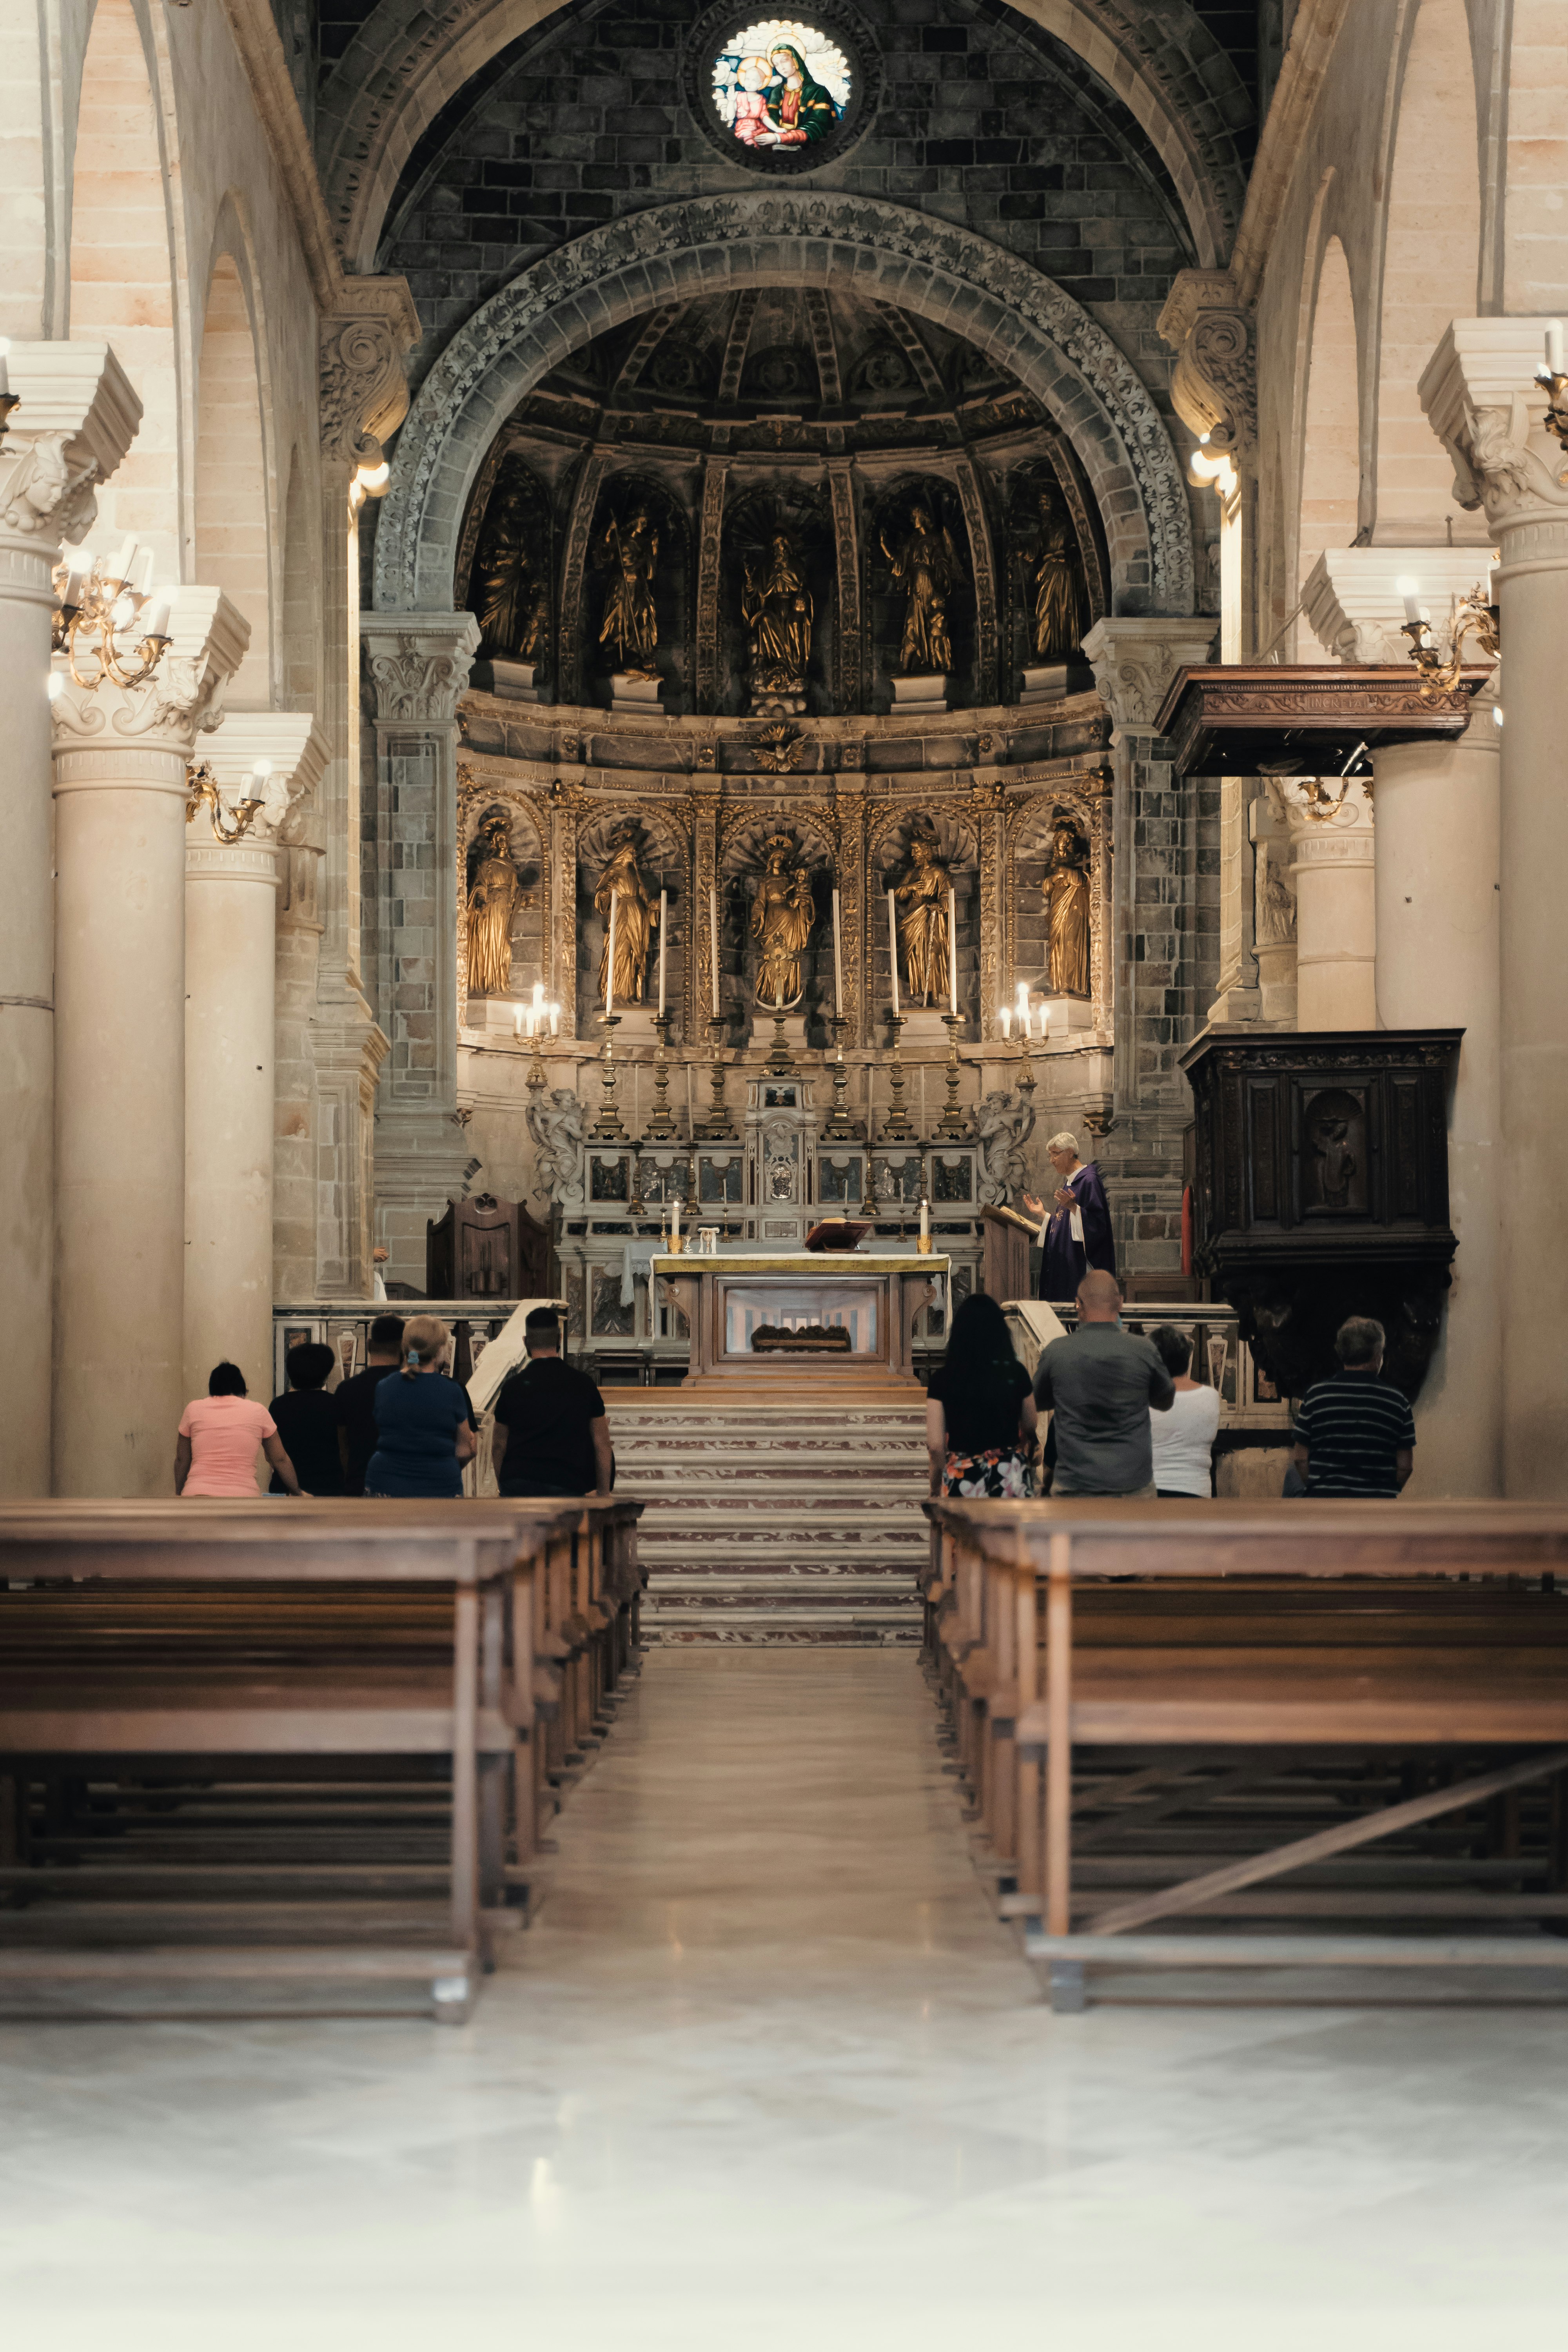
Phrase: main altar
(798, 1323)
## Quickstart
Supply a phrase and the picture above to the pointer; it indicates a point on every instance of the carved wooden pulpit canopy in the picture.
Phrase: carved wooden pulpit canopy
(1321, 1190)
(1252, 719)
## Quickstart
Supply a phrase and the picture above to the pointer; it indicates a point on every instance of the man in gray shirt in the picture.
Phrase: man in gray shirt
(1101, 1383)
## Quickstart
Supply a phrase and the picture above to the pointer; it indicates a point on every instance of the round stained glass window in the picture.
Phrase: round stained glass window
(781, 93)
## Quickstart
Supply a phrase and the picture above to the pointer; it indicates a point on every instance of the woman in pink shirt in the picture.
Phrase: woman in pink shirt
(216, 1451)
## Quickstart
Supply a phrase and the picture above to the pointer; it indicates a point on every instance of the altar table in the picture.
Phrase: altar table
(872, 1296)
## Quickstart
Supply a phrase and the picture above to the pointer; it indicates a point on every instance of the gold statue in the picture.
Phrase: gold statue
(1066, 894)
(778, 612)
(637, 913)
(631, 624)
(1055, 586)
(493, 899)
(513, 601)
(782, 919)
(928, 969)
(926, 566)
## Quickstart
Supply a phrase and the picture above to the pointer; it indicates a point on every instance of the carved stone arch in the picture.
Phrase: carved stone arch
(930, 266)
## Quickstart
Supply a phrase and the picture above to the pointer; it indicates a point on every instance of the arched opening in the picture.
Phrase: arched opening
(232, 536)
(300, 633)
(1430, 257)
(1331, 437)
(121, 277)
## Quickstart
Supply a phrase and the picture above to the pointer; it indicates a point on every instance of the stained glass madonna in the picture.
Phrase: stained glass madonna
(779, 84)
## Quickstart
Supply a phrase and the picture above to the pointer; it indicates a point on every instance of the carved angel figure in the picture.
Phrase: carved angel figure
(1066, 894)
(782, 919)
(1055, 634)
(493, 898)
(631, 624)
(1004, 1123)
(928, 969)
(557, 1126)
(927, 567)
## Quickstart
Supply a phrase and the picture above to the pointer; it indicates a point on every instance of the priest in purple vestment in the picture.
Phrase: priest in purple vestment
(1075, 1232)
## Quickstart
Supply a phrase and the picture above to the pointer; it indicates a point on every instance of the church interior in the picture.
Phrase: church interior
(661, 660)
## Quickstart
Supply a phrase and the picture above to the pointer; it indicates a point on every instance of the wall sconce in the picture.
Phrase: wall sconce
(372, 475)
(202, 790)
(1475, 615)
(102, 608)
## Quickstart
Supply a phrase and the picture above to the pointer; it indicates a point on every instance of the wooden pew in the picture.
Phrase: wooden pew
(1143, 1693)
(310, 1652)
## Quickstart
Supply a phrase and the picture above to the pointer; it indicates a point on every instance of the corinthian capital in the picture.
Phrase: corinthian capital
(365, 392)
(182, 699)
(419, 663)
(1214, 385)
(76, 417)
(1135, 660)
(1481, 399)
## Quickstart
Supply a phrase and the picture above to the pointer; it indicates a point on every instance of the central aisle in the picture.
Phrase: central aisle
(766, 2078)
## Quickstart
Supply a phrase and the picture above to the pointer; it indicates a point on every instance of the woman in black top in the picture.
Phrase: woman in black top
(980, 1409)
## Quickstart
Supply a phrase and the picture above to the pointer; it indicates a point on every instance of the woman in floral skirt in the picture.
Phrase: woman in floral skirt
(980, 1409)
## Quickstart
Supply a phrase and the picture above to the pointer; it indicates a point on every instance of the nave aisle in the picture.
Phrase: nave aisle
(767, 2075)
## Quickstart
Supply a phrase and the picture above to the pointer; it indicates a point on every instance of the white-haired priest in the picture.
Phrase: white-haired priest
(1075, 1231)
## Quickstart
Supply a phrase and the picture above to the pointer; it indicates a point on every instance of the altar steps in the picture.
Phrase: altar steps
(777, 1522)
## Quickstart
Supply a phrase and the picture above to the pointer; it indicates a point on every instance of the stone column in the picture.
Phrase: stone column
(231, 925)
(418, 665)
(120, 758)
(1480, 397)
(76, 418)
(1331, 835)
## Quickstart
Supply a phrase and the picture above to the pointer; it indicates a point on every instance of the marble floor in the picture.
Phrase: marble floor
(766, 2075)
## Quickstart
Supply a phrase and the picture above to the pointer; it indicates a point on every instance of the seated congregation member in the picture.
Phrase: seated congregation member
(552, 1436)
(306, 1419)
(980, 1411)
(355, 1400)
(1356, 1435)
(214, 1454)
(1098, 1382)
(1183, 1437)
(424, 1425)
(1075, 1232)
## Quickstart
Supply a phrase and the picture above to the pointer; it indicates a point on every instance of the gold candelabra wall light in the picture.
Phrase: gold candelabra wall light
(229, 826)
(1475, 615)
(110, 617)
(1550, 374)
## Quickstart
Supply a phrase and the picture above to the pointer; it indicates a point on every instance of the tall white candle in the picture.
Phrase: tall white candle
(1410, 591)
(925, 1221)
(713, 944)
(1554, 345)
(610, 960)
(675, 1221)
(663, 928)
(953, 949)
(838, 961)
(893, 947)
(1005, 1015)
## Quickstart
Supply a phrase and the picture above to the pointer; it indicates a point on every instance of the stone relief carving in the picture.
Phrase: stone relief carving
(422, 682)
(1274, 915)
(558, 1126)
(363, 389)
(1004, 1123)
(42, 495)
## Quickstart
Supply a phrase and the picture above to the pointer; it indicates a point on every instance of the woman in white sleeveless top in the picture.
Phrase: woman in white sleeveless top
(1184, 1437)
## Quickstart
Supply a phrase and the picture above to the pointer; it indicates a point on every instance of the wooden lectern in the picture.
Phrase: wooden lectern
(486, 1248)
(1006, 1268)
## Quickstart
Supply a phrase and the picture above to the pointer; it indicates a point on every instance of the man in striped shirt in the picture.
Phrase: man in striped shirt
(1354, 1435)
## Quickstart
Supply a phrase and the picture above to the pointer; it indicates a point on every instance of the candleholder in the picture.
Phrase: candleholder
(674, 1243)
(608, 1125)
(778, 1064)
(661, 1127)
(924, 1245)
(953, 1124)
(839, 1128)
(896, 1122)
(1473, 616)
(538, 1075)
(716, 1127)
(1556, 417)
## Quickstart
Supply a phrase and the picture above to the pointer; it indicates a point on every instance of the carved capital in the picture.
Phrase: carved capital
(1135, 660)
(76, 416)
(1481, 399)
(419, 664)
(364, 391)
(1352, 602)
(182, 699)
(1214, 385)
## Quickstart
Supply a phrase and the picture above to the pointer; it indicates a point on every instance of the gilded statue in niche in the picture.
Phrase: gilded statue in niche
(631, 624)
(778, 612)
(621, 886)
(924, 893)
(927, 568)
(1054, 634)
(783, 917)
(512, 593)
(1066, 894)
(494, 896)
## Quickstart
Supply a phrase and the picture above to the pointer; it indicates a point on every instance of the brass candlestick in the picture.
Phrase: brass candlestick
(839, 1127)
(778, 1064)
(661, 1125)
(716, 1127)
(538, 1075)
(896, 1119)
(609, 1123)
(953, 1124)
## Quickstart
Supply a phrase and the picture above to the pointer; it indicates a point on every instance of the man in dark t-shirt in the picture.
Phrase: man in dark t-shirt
(307, 1419)
(355, 1400)
(1356, 1435)
(551, 1434)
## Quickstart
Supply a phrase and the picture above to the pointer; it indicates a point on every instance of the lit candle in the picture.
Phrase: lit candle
(144, 573)
(556, 1021)
(1554, 345)
(1023, 1008)
(610, 959)
(893, 948)
(1410, 590)
(838, 961)
(925, 1219)
(517, 1021)
(1044, 1024)
(713, 944)
(663, 927)
(155, 615)
(953, 949)
(1005, 1015)
(125, 563)
(675, 1221)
